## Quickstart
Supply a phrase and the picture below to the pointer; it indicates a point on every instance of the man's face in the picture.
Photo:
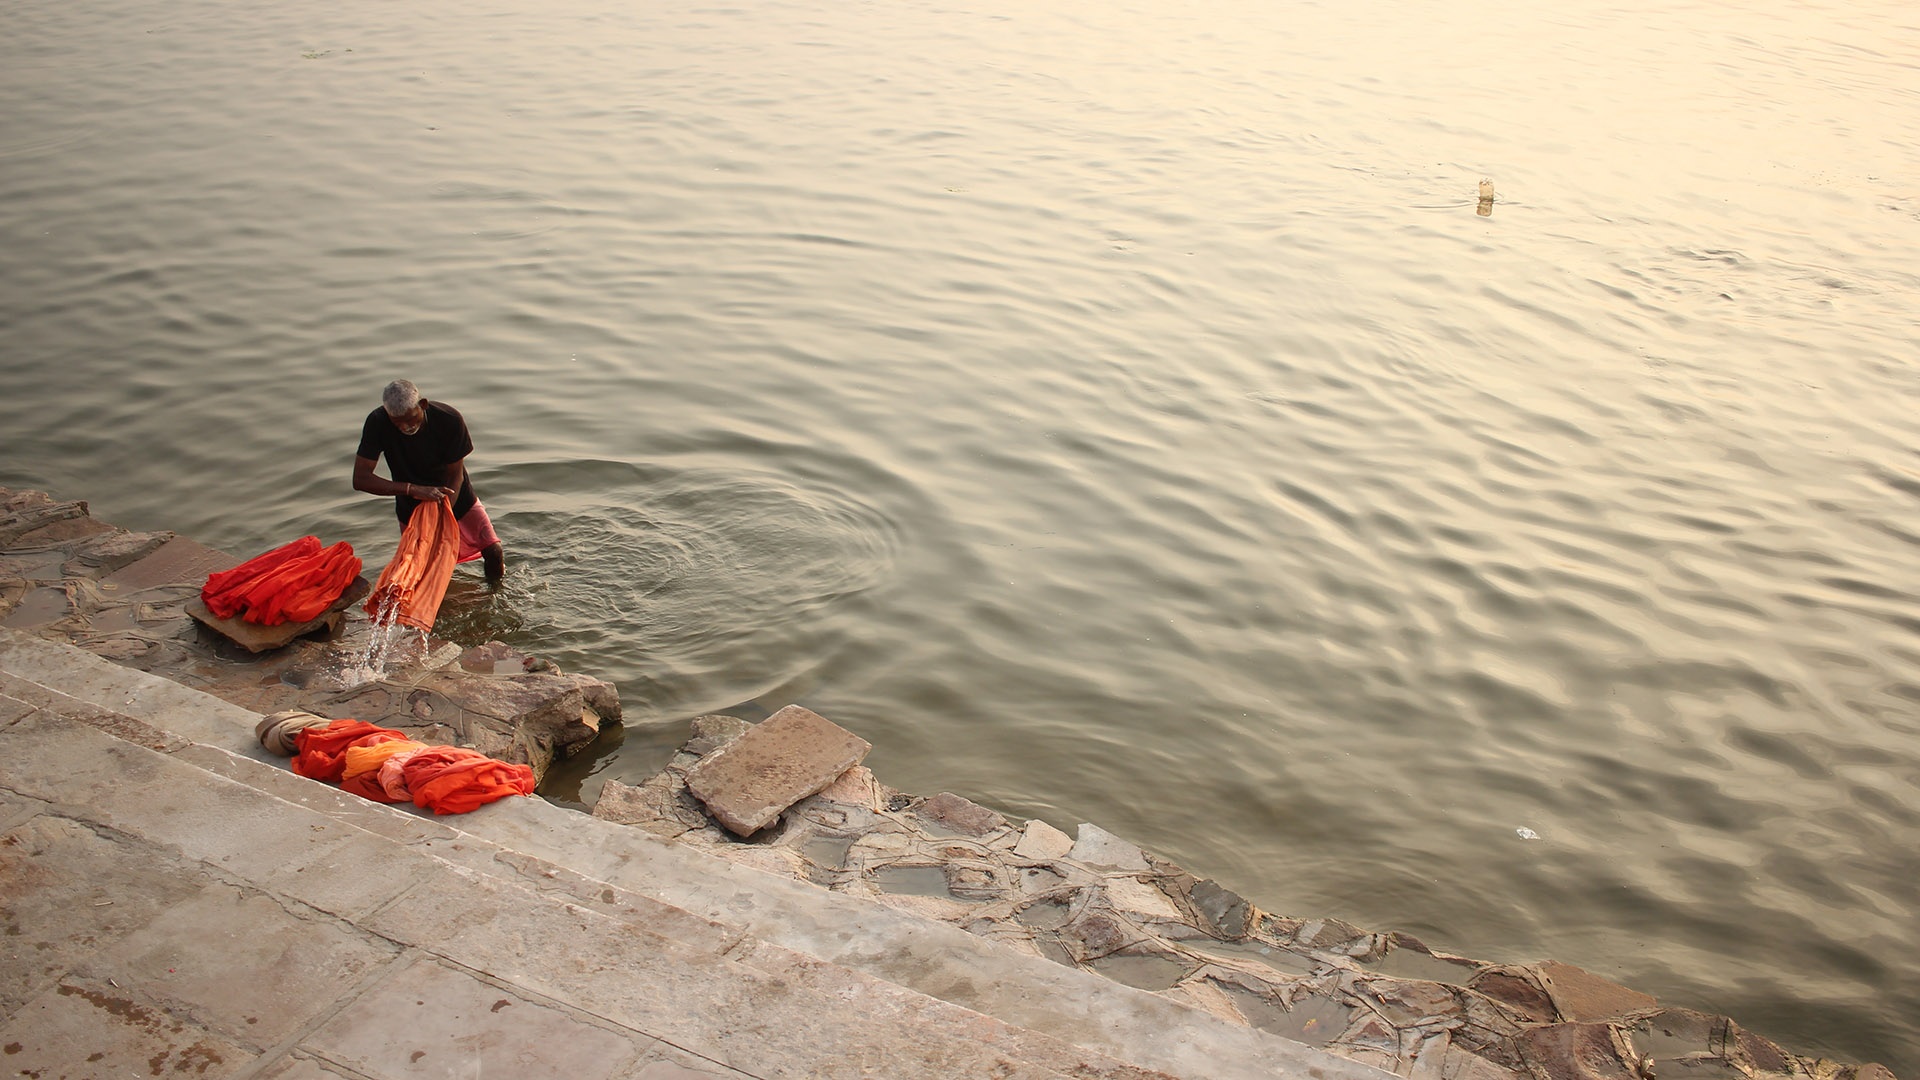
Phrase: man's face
(410, 422)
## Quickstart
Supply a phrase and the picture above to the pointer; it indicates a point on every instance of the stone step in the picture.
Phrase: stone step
(724, 961)
(715, 993)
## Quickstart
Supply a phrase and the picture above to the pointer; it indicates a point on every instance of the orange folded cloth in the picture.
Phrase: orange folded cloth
(361, 772)
(452, 780)
(293, 582)
(320, 753)
(224, 591)
(384, 765)
(393, 779)
(305, 590)
(414, 583)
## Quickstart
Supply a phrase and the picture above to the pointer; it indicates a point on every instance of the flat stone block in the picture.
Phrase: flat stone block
(432, 1020)
(1042, 842)
(1138, 900)
(671, 1070)
(1581, 995)
(1576, 1052)
(963, 816)
(1225, 911)
(178, 562)
(105, 554)
(748, 783)
(1098, 847)
(256, 638)
(240, 961)
(66, 893)
(12, 708)
(38, 608)
(62, 531)
(82, 1028)
(298, 1068)
(855, 787)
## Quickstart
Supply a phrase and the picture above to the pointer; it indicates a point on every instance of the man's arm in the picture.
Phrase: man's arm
(456, 476)
(365, 479)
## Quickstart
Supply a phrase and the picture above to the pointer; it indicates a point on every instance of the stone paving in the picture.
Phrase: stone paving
(1091, 902)
(171, 904)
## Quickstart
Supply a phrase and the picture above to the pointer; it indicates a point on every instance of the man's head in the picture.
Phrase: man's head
(402, 401)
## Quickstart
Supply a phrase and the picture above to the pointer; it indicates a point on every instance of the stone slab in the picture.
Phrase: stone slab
(959, 815)
(12, 708)
(674, 1070)
(433, 1020)
(1042, 842)
(1581, 995)
(88, 1028)
(256, 638)
(748, 783)
(299, 1068)
(244, 964)
(66, 893)
(178, 562)
(39, 607)
(1098, 847)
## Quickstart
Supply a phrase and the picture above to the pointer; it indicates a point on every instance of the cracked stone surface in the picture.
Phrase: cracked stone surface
(1100, 903)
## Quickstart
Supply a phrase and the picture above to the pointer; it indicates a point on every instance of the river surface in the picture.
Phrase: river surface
(1115, 412)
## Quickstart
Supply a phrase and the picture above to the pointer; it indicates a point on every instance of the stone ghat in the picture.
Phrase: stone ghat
(127, 596)
(1096, 902)
(1091, 901)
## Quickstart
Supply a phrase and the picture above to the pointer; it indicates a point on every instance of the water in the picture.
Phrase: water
(1113, 413)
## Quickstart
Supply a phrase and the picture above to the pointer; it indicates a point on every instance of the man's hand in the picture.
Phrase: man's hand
(429, 493)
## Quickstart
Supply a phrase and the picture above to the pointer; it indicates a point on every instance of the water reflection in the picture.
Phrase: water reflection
(1147, 443)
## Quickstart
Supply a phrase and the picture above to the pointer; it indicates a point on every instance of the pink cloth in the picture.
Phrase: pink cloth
(476, 533)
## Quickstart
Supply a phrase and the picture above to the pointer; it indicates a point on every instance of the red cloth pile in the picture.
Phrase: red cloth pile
(292, 583)
(414, 583)
(384, 765)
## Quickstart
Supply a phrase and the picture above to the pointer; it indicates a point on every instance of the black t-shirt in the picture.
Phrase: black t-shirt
(422, 457)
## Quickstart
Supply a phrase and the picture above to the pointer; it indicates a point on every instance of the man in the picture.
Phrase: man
(426, 444)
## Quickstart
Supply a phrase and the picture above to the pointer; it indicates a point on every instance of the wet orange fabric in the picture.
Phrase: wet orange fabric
(452, 780)
(414, 583)
(384, 765)
(293, 582)
(360, 774)
(393, 780)
(321, 752)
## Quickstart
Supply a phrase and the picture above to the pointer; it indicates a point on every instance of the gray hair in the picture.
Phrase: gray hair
(400, 397)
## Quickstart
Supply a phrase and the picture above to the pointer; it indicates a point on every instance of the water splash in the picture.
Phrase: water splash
(384, 633)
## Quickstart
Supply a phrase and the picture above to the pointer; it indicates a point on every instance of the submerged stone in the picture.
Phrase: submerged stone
(963, 816)
(1042, 842)
(1579, 1052)
(1581, 995)
(1226, 913)
(1098, 847)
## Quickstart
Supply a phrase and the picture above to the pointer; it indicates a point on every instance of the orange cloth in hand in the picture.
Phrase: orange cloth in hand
(414, 583)
(360, 774)
(453, 780)
(321, 752)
